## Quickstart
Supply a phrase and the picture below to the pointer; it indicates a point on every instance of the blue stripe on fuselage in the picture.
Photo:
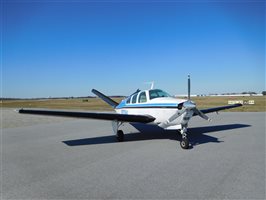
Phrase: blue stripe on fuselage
(147, 105)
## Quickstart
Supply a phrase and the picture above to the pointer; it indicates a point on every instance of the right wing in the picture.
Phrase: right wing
(91, 115)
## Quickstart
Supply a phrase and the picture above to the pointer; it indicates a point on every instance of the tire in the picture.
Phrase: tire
(120, 136)
(184, 143)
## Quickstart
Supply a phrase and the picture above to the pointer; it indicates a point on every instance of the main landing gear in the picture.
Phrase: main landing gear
(119, 133)
(120, 136)
(184, 143)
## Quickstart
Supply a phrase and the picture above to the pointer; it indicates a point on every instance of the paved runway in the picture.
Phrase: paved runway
(63, 158)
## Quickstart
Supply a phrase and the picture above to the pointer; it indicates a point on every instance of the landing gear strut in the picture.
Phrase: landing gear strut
(184, 143)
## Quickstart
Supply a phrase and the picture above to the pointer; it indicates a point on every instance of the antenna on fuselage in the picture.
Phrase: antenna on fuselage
(152, 84)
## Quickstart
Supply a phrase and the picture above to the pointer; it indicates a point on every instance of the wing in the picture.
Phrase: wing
(215, 109)
(91, 115)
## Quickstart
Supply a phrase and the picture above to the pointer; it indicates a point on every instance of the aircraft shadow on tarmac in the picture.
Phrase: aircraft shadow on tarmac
(147, 132)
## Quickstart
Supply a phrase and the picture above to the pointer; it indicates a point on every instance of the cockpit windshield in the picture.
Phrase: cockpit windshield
(158, 93)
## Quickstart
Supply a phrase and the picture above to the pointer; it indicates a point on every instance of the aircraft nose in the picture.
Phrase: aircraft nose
(189, 104)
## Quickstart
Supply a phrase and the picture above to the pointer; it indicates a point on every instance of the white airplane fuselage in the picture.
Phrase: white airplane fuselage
(160, 107)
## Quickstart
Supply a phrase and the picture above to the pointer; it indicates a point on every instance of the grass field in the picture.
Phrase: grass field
(98, 104)
(207, 102)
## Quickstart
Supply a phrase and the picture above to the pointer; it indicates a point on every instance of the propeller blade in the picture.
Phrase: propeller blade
(176, 115)
(188, 88)
(172, 118)
(201, 114)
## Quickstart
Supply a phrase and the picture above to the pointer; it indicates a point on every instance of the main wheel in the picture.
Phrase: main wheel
(184, 143)
(120, 136)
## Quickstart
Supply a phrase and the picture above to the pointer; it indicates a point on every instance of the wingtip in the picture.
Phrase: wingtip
(18, 110)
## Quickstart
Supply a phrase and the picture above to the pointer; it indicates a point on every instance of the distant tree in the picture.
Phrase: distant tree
(263, 93)
(249, 92)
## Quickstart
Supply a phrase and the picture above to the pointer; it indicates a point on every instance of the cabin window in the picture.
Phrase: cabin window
(134, 98)
(128, 100)
(142, 97)
(157, 93)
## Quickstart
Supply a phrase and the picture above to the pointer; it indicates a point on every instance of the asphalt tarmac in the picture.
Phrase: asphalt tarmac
(62, 158)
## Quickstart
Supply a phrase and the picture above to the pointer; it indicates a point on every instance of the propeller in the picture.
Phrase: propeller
(183, 107)
(188, 87)
(196, 111)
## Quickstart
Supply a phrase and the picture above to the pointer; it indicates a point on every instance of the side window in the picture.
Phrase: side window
(128, 100)
(134, 98)
(142, 97)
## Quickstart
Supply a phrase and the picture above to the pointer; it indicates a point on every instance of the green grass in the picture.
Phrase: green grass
(98, 104)
(79, 104)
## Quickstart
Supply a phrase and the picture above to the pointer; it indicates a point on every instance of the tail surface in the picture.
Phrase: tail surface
(105, 98)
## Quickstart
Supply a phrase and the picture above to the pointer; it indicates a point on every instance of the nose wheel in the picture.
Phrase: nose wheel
(184, 143)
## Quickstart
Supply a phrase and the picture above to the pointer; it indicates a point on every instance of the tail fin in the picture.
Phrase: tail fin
(105, 98)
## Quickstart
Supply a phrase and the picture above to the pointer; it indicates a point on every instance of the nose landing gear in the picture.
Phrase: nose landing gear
(184, 143)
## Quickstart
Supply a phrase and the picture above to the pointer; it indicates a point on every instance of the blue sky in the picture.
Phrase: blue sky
(66, 48)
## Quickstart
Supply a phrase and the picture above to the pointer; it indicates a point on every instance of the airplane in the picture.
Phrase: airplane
(152, 106)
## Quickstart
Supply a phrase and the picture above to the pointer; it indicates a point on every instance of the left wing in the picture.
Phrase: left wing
(91, 115)
(215, 109)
